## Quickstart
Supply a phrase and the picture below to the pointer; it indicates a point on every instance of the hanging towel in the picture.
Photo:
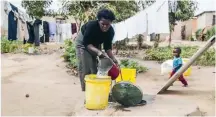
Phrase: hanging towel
(74, 28)
(69, 31)
(52, 31)
(63, 32)
(58, 29)
(52, 28)
(58, 32)
(66, 31)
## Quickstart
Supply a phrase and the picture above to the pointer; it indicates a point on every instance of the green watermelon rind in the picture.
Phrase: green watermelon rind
(131, 99)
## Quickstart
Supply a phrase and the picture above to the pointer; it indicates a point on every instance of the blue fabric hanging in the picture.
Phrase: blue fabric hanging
(12, 24)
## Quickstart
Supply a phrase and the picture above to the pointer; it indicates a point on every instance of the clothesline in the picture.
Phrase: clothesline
(153, 19)
(34, 31)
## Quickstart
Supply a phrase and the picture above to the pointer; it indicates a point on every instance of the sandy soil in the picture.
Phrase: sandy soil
(52, 91)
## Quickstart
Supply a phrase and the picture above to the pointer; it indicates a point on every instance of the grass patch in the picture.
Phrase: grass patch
(164, 53)
(70, 56)
(126, 63)
(8, 46)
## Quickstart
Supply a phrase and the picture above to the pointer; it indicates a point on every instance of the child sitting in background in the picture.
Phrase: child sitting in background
(177, 64)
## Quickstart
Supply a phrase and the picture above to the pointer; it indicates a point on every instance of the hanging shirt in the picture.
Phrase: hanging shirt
(20, 26)
(5, 9)
(52, 28)
(30, 28)
(37, 31)
(20, 29)
(46, 27)
(12, 23)
(26, 31)
(46, 30)
(23, 19)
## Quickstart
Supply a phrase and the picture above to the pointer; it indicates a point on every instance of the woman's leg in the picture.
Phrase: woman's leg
(93, 65)
(88, 65)
(79, 54)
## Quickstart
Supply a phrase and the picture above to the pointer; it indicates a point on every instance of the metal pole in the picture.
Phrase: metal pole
(209, 43)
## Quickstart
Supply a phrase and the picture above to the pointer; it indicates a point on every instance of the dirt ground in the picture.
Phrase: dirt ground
(52, 91)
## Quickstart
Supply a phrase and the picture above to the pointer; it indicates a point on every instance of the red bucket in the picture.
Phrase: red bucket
(114, 72)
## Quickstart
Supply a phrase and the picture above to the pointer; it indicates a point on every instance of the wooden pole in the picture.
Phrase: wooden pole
(209, 43)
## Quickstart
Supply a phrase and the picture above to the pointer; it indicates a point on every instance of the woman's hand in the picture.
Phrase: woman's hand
(102, 55)
(115, 61)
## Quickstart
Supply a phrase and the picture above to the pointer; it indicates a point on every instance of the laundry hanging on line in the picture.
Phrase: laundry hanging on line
(22, 30)
(12, 23)
(20, 26)
(153, 19)
(46, 31)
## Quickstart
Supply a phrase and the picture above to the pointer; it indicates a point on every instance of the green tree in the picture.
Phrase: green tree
(36, 8)
(180, 11)
(83, 11)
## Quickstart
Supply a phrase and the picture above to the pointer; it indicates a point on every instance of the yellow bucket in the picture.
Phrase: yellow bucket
(188, 71)
(97, 92)
(127, 75)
